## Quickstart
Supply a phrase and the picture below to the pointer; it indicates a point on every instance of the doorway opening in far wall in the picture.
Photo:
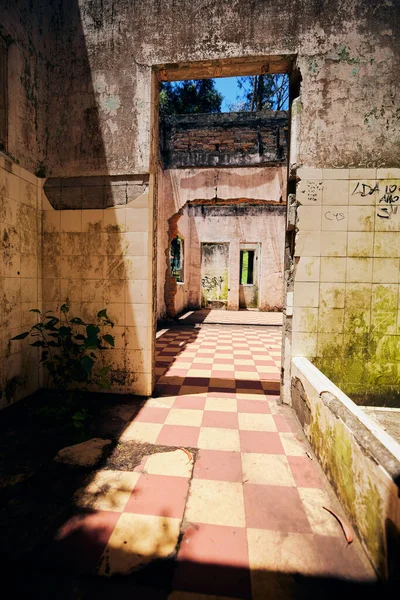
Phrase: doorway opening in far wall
(246, 267)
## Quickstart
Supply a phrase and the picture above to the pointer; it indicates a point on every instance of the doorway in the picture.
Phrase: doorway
(214, 275)
(249, 276)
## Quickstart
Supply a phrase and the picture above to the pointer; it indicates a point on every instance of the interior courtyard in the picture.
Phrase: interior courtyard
(200, 314)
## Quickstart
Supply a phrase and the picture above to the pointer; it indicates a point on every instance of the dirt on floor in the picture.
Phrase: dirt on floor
(35, 491)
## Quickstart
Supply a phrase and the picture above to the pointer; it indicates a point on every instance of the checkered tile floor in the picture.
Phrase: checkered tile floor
(219, 359)
(232, 317)
(246, 498)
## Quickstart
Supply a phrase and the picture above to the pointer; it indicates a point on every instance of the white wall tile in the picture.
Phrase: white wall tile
(306, 294)
(309, 218)
(330, 320)
(333, 269)
(305, 320)
(360, 243)
(361, 218)
(386, 244)
(334, 218)
(335, 192)
(359, 270)
(307, 269)
(332, 295)
(71, 220)
(386, 270)
(334, 243)
(308, 243)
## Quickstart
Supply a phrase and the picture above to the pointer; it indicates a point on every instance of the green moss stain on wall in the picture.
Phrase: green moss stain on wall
(361, 499)
(335, 452)
(364, 361)
(373, 529)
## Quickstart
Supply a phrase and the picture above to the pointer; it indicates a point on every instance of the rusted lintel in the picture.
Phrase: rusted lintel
(224, 68)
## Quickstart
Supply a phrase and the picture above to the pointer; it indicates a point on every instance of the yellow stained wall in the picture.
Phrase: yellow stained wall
(346, 276)
(20, 279)
(95, 259)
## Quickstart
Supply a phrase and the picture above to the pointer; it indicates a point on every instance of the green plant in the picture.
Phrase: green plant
(69, 347)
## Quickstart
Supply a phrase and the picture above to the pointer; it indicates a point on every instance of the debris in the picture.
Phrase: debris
(188, 454)
(245, 481)
(309, 456)
(86, 454)
(346, 529)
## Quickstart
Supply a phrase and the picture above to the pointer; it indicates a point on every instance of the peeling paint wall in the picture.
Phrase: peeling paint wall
(96, 60)
(361, 467)
(20, 279)
(347, 55)
(239, 205)
(243, 224)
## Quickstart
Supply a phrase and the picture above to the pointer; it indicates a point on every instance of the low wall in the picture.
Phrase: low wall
(224, 139)
(359, 458)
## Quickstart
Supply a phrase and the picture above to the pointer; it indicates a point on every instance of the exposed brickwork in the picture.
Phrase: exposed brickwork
(224, 139)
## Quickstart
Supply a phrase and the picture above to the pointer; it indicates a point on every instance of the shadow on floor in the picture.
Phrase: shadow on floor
(159, 579)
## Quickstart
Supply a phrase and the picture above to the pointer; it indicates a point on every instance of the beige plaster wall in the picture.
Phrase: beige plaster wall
(263, 225)
(20, 279)
(95, 259)
(346, 274)
(177, 187)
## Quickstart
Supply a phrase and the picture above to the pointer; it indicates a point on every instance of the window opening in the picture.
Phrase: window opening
(176, 258)
(246, 267)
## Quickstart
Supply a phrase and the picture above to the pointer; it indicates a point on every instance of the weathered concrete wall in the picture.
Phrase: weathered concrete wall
(96, 61)
(20, 279)
(243, 224)
(25, 33)
(242, 186)
(257, 183)
(360, 459)
(80, 78)
(346, 277)
(95, 259)
(225, 139)
(347, 54)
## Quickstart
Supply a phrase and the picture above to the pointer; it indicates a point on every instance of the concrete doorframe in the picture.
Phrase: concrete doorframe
(231, 67)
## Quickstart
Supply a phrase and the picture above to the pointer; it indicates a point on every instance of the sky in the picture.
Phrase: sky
(228, 87)
(230, 91)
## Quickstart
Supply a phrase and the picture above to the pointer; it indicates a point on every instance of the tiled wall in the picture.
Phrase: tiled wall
(20, 279)
(346, 276)
(102, 258)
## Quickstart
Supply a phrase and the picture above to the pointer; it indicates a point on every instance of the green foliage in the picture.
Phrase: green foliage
(69, 347)
(262, 92)
(189, 97)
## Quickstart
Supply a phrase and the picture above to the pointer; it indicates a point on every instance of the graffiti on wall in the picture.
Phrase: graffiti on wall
(388, 196)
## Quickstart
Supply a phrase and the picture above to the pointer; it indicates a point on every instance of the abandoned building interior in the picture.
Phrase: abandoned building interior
(234, 277)
(222, 227)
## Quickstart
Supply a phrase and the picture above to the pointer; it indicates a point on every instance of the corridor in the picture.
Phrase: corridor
(227, 490)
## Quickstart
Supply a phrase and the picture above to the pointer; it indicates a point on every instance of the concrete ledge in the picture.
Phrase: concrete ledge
(359, 458)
